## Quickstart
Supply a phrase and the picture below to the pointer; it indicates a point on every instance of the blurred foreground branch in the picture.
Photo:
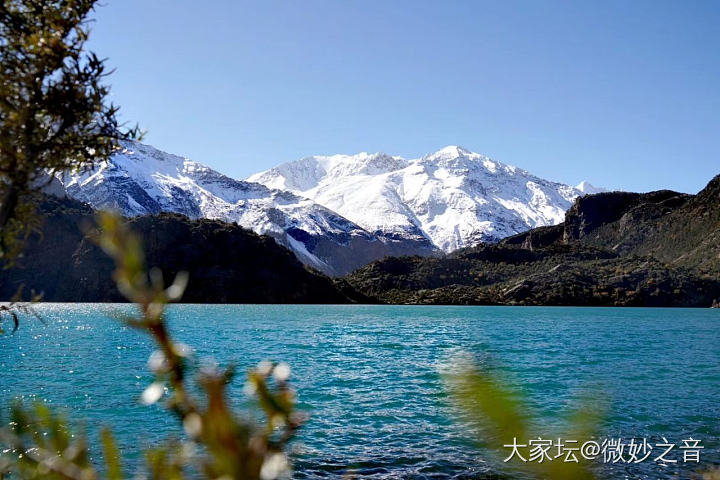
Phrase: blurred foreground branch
(38, 444)
(502, 418)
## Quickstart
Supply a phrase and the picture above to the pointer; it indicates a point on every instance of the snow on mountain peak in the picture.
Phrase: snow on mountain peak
(456, 157)
(588, 188)
(308, 172)
(362, 164)
(139, 180)
(338, 212)
(450, 151)
(453, 197)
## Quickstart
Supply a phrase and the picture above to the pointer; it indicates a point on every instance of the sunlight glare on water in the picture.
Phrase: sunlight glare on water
(370, 376)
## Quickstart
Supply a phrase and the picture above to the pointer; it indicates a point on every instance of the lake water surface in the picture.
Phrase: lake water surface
(371, 376)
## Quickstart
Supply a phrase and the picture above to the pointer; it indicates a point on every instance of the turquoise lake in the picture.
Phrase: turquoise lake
(370, 377)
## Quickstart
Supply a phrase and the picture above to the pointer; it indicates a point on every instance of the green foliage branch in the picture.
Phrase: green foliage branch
(54, 109)
(38, 443)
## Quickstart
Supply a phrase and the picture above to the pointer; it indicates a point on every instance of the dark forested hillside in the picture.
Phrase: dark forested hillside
(655, 249)
(226, 263)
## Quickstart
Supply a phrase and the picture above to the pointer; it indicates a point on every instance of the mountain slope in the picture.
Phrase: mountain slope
(141, 180)
(226, 263)
(617, 248)
(340, 212)
(679, 229)
(453, 198)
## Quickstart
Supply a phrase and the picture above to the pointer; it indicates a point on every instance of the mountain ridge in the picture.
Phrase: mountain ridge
(338, 212)
(614, 249)
(225, 263)
(658, 248)
(453, 197)
(141, 180)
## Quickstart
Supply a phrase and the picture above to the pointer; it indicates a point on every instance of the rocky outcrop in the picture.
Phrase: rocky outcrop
(591, 212)
(537, 237)
(679, 229)
(624, 249)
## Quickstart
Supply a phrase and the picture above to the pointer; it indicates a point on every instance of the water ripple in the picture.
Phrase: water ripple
(370, 377)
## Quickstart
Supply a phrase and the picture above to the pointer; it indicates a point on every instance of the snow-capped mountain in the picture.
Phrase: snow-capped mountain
(453, 197)
(142, 180)
(588, 188)
(338, 212)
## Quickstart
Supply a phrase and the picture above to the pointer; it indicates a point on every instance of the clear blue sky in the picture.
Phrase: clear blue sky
(625, 94)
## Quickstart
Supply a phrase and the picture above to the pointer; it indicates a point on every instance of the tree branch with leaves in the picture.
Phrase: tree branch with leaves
(54, 109)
